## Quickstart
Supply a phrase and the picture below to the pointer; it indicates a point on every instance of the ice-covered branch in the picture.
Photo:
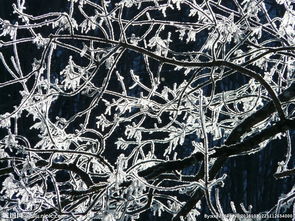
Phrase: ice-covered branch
(118, 110)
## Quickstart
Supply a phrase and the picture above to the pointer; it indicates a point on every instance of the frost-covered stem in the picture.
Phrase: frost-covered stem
(101, 28)
(198, 8)
(123, 37)
(150, 197)
(213, 87)
(217, 38)
(58, 199)
(107, 18)
(187, 85)
(225, 103)
(218, 205)
(206, 156)
(233, 50)
(206, 151)
(289, 150)
(94, 201)
(101, 92)
(35, 83)
(71, 48)
(15, 59)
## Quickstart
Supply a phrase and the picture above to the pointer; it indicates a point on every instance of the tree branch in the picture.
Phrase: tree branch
(259, 116)
(70, 167)
(5, 171)
(250, 143)
(164, 167)
(59, 166)
(285, 173)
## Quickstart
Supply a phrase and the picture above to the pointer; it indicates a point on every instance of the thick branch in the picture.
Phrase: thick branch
(70, 167)
(285, 173)
(158, 169)
(6, 171)
(259, 116)
(222, 152)
(223, 156)
(249, 144)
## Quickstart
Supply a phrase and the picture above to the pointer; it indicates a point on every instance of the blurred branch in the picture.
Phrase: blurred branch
(285, 173)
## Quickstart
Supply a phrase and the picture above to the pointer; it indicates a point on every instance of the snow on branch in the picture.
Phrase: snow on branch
(120, 110)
